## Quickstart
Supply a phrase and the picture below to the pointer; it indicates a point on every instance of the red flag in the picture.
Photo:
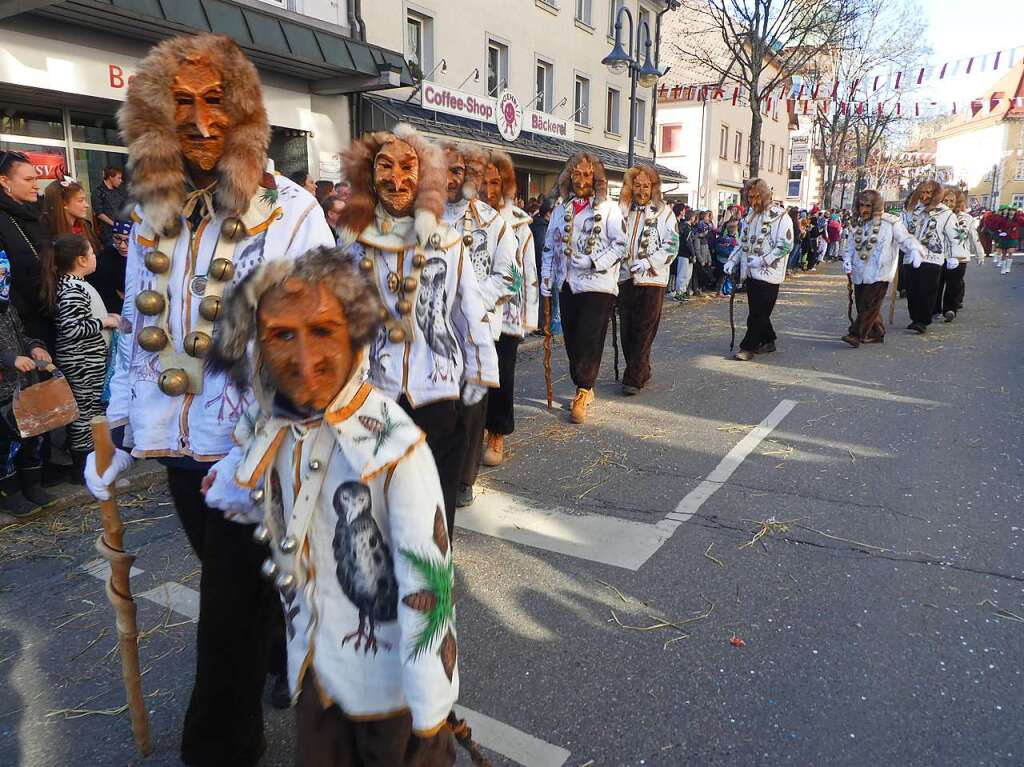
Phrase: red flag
(735, 95)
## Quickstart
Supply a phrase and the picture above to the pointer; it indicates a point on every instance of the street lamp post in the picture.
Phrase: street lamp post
(619, 60)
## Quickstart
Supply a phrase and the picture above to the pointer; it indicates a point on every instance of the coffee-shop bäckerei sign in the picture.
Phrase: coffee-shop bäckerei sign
(439, 98)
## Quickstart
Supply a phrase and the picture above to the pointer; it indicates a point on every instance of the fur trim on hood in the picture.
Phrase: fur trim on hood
(507, 171)
(600, 179)
(626, 195)
(146, 119)
(357, 165)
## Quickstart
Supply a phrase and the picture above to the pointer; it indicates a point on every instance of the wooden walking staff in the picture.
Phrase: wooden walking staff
(895, 293)
(547, 348)
(110, 545)
(849, 298)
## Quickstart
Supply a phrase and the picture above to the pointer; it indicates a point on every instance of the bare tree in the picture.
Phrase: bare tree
(759, 45)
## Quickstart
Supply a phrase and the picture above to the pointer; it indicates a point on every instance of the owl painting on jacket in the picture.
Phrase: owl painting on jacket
(431, 310)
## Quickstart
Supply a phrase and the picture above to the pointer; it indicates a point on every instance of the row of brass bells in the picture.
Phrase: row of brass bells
(197, 343)
(396, 335)
(209, 308)
(467, 239)
(152, 338)
(150, 303)
(221, 269)
(173, 382)
(157, 261)
(419, 261)
(232, 229)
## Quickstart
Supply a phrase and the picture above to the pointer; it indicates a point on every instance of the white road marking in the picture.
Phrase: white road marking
(516, 745)
(172, 595)
(599, 538)
(100, 568)
(714, 481)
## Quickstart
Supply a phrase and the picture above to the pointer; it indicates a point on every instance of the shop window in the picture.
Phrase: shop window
(1017, 201)
(90, 164)
(793, 189)
(32, 122)
(89, 128)
(289, 149)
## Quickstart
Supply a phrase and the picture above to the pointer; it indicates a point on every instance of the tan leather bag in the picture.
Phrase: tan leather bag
(44, 406)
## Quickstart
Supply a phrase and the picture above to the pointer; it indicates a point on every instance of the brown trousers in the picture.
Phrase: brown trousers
(639, 316)
(584, 325)
(325, 737)
(869, 299)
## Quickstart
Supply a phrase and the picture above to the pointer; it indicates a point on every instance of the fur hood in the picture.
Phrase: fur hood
(357, 167)
(507, 171)
(147, 124)
(626, 195)
(600, 179)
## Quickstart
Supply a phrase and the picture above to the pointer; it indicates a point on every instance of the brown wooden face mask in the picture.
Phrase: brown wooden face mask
(199, 115)
(642, 189)
(396, 177)
(305, 342)
(456, 174)
(583, 178)
(490, 189)
(865, 209)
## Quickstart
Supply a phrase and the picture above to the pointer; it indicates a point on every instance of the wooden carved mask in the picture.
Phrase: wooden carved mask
(201, 121)
(396, 177)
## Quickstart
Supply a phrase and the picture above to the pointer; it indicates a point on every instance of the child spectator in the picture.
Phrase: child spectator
(722, 248)
(83, 334)
(20, 465)
(108, 279)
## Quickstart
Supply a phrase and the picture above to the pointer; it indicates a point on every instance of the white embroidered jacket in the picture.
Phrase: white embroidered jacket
(594, 273)
(765, 242)
(972, 244)
(937, 229)
(873, 249)
(448, 340)
(655, 226)
(353, 508)
(281, 222)
(520, 312)
(492, 252)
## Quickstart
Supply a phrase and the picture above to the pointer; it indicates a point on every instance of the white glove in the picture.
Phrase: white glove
(472, 393)
(582, 261)
(228, 496)
(641, 266)
(917, 260)
(952, 263)
(100, 486)
(729, 267)
(847, 267)
(545, 287)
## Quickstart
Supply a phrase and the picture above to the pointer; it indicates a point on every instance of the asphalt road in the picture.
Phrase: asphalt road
(866, 554)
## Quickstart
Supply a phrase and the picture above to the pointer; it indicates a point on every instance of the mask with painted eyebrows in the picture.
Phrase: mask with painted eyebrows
(491, 187)
(642, 189)
(396, 175)
(583, 178)
(201, 121)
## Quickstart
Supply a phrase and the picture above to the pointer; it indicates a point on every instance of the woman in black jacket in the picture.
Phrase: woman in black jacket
(21, 237)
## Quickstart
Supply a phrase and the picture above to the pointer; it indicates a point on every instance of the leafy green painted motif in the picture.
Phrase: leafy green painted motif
(435, 600)
(514, 279)
(268, 196)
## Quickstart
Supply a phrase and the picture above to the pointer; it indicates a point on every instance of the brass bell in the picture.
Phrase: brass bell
(404, 306)
(409, 284)
(221, 269)
(383, 313)
(597, 217)
(366, 264)
(288, 544)
(597, 230)
(261, 535)
(173, 228)
(396, 335)
(197, 343)
(467, 239)
(157, 261)
(568, 217)
(568, 252)
(173, 382)
(419, 261)
(152, 338)
(257, 495)
(588, 250)
(314, 465)
(285, 582)
(209, 308)
(149, 302)
(232, 229)
(567, 238)
(270, 569)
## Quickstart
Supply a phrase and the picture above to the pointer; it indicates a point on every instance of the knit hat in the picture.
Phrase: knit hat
(122, 227)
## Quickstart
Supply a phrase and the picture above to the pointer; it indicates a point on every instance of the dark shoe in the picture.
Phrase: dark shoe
(917, 327)
(630, 391)
(949, 316)
(744, 355)
(852, 341)
(11, 499)
(280, 697)
(874, 340)
(31, 486)
(766, 348)
(464, 497)
(77, 467)
(54, 474)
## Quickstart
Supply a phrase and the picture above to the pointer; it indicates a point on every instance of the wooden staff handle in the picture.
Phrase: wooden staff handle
(113, 528)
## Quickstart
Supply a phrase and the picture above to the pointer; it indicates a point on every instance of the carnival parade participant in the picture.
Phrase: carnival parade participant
(871, 257)
(650, 237)
(950, 298)
(207, 214)
(935, 227)
(519, 313)
(581, 266)
(434, 353)
(348, 498)
(766, 237)
(491, 246)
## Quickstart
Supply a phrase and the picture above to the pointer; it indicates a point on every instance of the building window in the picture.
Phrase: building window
(771, 157)
(583, 11)
(581, 101)
(640, 126)
(671, 139)
(497, 67)
(782, 155)
(737, 151)
(645, 15)
(793, 188)
(419, 41)
(611, 120)
(613, 11)
(760, 158)
(1017, 201)
(1020, 171)
(545, 85)
(723, 142)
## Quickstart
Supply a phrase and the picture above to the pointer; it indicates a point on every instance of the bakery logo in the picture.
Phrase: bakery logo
(510, 116)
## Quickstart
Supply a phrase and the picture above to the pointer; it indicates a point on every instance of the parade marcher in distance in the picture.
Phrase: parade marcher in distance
(581, 265)
(935, 227)
(207, 214)
(519, 313)
(871, 258)
(650, 238)
(347, 496)
(434, 351)
(766, 237)
(950, 298)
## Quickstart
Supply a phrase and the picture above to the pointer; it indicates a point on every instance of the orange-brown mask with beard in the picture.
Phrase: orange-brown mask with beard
(305, 342)
(201, 120)
(583, 178)
(865, 210)
(396, 175)
(642, 189)
(491, 187)
(456, 174)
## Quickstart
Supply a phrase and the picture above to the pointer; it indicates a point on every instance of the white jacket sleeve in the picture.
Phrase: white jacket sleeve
(480, 360)
(120, 384)
(956, 238)
(783, 243)
(526, 252)
(668, 237)
(499, 283)
(422, 553)
(310, 232)
(548, 252)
